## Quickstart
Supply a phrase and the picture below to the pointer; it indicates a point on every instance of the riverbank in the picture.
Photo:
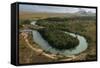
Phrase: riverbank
(30, 53)
(87, 29)
(57, 39)
(53, 57)
(40, 52)
(43, 41)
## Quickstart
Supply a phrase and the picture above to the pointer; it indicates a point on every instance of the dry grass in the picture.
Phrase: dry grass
(27, 55)
(35, 16)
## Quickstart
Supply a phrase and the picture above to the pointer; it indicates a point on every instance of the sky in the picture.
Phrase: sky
(52, 9)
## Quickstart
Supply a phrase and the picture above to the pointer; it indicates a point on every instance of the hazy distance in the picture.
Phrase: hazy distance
(53, 9)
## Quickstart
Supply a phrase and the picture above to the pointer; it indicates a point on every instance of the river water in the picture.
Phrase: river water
(82, 46)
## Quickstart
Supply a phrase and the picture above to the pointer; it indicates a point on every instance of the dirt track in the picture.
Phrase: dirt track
(51, 56)
(37, 50)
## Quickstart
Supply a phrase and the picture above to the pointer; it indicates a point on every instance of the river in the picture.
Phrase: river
(82, 46)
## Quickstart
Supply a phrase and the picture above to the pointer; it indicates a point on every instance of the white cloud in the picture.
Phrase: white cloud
(52, 9)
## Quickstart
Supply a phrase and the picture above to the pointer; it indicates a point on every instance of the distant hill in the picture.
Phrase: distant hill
(85, 13)
(32, 15)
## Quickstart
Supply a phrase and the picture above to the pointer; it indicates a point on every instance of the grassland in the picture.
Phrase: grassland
(36, 15)
(85, 27)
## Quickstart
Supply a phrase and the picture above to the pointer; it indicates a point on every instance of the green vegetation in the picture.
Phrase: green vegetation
(85, 26)
(54, 33)
(54, 24)
(58, 39)
(77, 25)
(23, 22)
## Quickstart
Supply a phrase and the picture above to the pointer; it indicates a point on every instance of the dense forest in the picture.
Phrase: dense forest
(77, 25)
(54, 33)
(59, 39)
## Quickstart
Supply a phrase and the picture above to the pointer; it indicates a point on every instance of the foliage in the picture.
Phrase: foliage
(54, 33)
(59, 39)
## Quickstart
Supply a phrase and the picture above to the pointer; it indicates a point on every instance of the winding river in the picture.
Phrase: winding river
(45, 45)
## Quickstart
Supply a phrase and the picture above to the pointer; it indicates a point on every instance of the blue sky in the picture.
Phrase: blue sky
(52, 9)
